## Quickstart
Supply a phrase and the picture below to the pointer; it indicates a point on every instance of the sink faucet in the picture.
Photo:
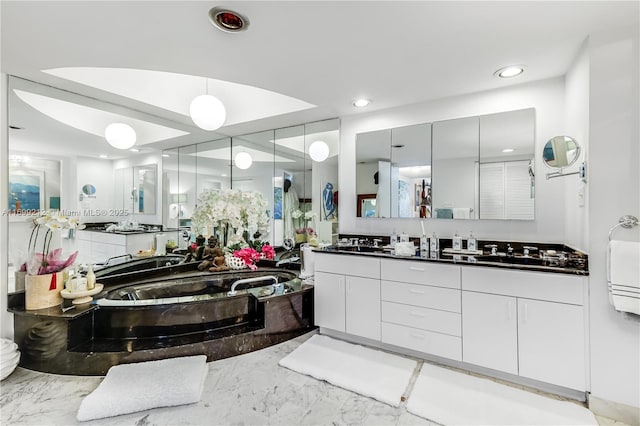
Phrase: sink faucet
(493, 247)
(376, 242)
(528, 249)
(287, 260)
(509, 250)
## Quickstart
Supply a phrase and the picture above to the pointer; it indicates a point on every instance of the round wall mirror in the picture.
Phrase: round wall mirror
(560, 151)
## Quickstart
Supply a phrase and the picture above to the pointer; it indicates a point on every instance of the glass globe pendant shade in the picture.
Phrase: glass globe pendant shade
(243, 160)
(120, 135)
(207, 112)
(319, 151)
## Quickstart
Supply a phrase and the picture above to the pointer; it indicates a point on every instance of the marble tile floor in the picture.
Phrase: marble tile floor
(249, 389)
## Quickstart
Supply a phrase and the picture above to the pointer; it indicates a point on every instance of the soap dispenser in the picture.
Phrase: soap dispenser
(404, 237)
(457, 242)
(472, 244)
(434, 244)
(394, 239)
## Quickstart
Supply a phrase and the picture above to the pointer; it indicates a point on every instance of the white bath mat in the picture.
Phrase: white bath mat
(128, 388)
(369, 372)
(452, 398)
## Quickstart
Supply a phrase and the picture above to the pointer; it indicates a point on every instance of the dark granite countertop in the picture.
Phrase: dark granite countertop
(575, 262)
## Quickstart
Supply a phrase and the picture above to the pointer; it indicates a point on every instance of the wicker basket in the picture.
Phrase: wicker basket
(234, 262)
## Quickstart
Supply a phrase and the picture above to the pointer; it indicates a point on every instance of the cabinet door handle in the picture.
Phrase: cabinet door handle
(417, 336)
(416, 291)
(415, 268)
(417, 314)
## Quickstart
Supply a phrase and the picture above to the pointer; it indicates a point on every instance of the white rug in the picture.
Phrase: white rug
(452, 398)
(369, 372)
(128, 388)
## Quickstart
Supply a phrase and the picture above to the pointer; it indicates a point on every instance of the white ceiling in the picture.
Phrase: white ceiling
(325, 53)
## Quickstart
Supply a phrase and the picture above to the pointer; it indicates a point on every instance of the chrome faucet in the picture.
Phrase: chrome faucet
(233, 291)
(287, 260)
(528, 249)
(493, 247)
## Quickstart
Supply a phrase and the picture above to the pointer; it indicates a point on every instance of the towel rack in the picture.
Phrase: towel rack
(626, 221)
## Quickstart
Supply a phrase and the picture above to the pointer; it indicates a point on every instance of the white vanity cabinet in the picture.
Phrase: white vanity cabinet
(421, 307)
(528, 323)
(347, 294)
(96, 247)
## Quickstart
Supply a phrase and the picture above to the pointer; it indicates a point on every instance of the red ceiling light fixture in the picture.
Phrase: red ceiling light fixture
(228, 20)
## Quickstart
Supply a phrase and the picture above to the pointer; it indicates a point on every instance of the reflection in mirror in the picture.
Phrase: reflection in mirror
(373, 169)
(454, 172)
(506, 165)
(560, 151)
(322, 188)
(144, 191)
(256, 174)
(289, 185)
(411, 171)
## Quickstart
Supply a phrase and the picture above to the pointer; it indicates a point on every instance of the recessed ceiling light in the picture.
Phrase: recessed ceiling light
(228, 20)
(165, 155)
(224, 175)
(243, 160)
(134, 150)
(319, 151)
(361, 103)
(510, 71)
(103, 156)
(507, 150)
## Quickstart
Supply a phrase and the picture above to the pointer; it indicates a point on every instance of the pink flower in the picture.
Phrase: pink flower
(248, 255)
(268, 251)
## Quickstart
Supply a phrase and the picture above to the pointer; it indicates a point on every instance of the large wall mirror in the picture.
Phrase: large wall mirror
(467, 168)
(301, 193)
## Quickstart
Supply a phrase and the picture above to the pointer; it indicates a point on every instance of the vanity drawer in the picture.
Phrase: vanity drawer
(445, 299)
(420, 272)
(358, 266)
(425, 341)
(532, 285)
(422, 318)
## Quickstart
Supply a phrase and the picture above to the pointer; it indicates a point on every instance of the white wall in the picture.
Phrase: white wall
(614, 182)
(547, 97)
(577, 126)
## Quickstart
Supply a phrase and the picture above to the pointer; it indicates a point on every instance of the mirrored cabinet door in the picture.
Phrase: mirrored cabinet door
(373, 173)
(507, 179)
(411, 171)
(456, 146)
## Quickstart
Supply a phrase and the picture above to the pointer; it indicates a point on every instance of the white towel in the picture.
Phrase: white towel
(461, 213)
(624, 275)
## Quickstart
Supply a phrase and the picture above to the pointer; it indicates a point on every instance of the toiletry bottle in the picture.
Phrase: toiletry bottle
(404, 237)
(394, 238)
(472, 244)
(91, 278)
(434, 245)
(424, 243)
(457, 241)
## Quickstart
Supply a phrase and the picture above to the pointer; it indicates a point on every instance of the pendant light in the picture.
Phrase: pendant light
(319, 151)
(207, 111)
(243, 160)
(120, 135)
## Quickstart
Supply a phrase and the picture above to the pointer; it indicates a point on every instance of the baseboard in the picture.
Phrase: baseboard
(614, 410)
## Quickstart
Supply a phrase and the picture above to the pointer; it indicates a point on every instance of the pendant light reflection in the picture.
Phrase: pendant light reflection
(319, 151)
(243, 160)
(207, 112)
(120, 135)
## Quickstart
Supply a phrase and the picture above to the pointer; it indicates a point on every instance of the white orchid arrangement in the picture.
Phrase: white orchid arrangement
(46, 261)
(242, 211)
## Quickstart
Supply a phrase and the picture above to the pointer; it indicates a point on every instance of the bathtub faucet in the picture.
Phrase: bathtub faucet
(252, 280)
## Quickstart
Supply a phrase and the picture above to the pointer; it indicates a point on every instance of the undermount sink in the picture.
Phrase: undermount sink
(520, 260)
(360, 249)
